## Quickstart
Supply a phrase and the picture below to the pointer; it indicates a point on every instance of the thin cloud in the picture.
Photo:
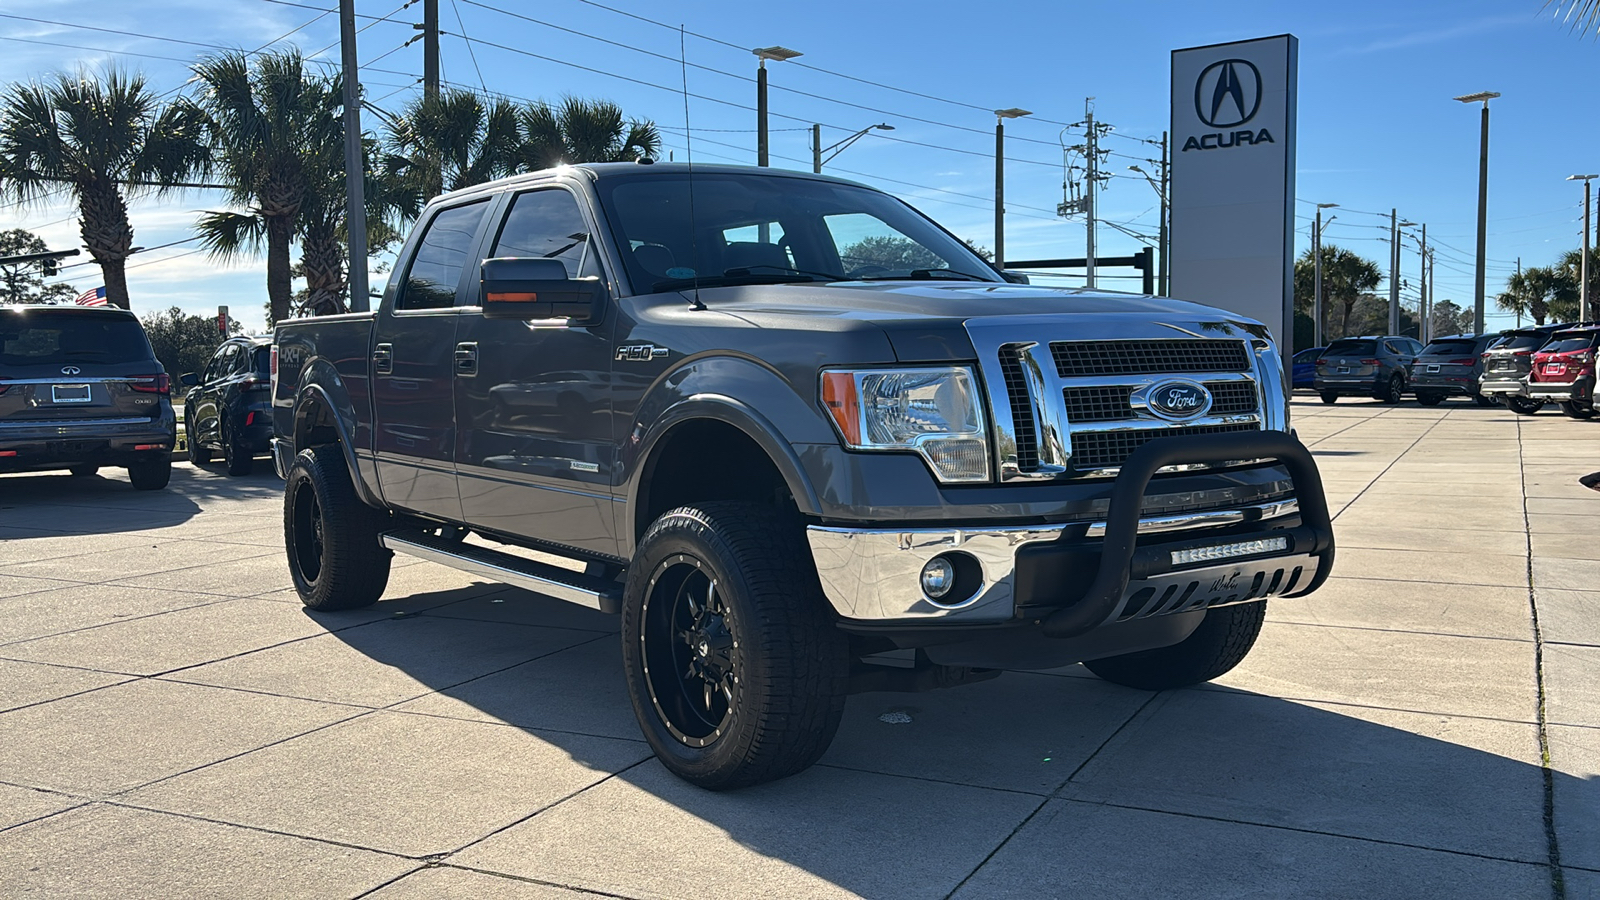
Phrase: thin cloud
(1440, 35)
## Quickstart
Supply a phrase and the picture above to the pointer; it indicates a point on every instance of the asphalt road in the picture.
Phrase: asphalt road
(173, 724)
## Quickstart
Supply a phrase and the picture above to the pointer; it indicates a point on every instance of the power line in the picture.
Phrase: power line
(93, 49)
(395, 12)
(470, 53)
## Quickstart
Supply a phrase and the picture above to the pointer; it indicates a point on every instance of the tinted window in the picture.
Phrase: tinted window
(435, 272)
(1566, 343)
(1451, 348)
(545, 225)
(1354, 347)
(1521, 340)
(1392, 348)
(262, 359)
(1305, 356)
(55, 339)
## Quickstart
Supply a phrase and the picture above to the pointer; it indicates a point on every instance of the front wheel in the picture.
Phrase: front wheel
(1577, 410)
(336, 557)
(151, 474)
(1221, 642)
(734, 667)
(1522, 406)
(238, 458)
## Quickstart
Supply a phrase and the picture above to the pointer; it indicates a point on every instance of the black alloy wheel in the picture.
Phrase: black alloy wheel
(334, 541)
(237, 458)
(1394, 389)
(1522, 406)
(690, 656)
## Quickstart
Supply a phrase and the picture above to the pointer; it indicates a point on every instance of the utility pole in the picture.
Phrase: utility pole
(1094, 174)
(776, 54)
(1394, 272)
(1166, 218)
(816, 148)
(1000, 117)
(1317, 315)
(430, 49)
(1585, 301)
(354, 171)
(1431, 283)
(1519, 282)
(1422, 292)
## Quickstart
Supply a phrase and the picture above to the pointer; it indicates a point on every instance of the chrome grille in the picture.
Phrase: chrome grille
(1021, 406)
(1077, 359)
(1109, 403)
(1232, 398)
(1109, 449)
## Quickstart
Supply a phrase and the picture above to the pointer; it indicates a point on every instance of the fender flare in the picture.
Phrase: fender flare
(314, 392)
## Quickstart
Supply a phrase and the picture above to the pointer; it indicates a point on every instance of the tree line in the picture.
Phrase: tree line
(269, 129)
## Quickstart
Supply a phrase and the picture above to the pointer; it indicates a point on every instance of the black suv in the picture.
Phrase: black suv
(80, 388)
(1506, 366)
(1451, 367)
(1377, 367)
(228, 408)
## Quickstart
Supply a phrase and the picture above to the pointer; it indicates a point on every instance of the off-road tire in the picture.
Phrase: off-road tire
(342, 564)
(1428, 399)
(1522, 406)
(82, 471)
(238, 458)
(1330, 398)
(789, 663)
(1223, 639)
(1577, 410)
(1393, 389)
(151, 474)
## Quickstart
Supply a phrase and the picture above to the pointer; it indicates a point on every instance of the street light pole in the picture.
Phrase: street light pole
(776, 54)
(1316, 257)
(817, 149)
(1000, 117)
(1161, 195)
(1585, 304)
(354, 170)
(1483, 205)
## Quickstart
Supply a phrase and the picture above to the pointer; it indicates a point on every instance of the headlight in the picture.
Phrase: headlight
(934, 412)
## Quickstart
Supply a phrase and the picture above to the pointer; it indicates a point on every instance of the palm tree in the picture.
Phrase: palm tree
(445, 144)
(1346, 276)
(580, 131)
(1539, 292)
(1579, 15)
(106, 138)
(268, 123)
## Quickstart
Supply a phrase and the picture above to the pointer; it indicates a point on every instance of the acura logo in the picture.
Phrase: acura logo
(1228, 93)
(1178, 400)
(70, 370)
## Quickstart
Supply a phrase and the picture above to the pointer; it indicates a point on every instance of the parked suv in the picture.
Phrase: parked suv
(228, 408)
(1377, 367)
(1506, 366)
(80, 388)
(1451, 367)
(1563, 371)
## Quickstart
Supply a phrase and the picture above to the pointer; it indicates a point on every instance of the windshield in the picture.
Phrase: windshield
(760, 229)
(1353, 347)
(39, 338)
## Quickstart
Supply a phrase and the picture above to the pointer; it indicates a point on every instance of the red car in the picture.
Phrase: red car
(1563, 371)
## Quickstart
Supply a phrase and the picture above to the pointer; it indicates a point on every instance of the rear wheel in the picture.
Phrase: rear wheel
(1577, 410)
(1329, 397)
(336, 558)
(1393, 389)
(1221, 642)
(736, 672)
(1482, 400)
(1522, 406)
(238, 458)
(151, 474)
(1429, 399)
(83, 471)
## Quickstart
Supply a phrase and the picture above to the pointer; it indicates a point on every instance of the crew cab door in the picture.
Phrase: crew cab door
(413, 362)
(534, 451)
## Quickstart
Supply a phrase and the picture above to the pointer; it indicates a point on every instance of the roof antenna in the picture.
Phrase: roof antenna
(688, 155)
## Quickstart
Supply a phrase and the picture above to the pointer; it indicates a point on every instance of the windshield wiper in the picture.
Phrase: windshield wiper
(743, 275)
(926, 275)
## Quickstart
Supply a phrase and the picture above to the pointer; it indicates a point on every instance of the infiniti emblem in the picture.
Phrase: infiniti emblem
(1178, 399)
(70, 370)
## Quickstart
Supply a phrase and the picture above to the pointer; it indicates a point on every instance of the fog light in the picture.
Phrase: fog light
(938, 577)
(1224, 551)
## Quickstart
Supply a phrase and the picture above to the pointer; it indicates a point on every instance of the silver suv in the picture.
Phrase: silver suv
(1376, 366)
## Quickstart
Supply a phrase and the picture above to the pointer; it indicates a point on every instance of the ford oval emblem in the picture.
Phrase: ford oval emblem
(1179, 399)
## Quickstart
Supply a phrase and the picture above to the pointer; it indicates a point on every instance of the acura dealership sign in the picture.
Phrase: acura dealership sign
(1233, 125)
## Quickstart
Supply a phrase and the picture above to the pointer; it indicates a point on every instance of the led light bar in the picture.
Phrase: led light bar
(1228, 551)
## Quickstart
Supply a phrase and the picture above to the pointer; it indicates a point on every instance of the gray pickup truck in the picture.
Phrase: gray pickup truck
(803, 440)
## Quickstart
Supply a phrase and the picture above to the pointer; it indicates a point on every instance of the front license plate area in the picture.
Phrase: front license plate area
(69, 393)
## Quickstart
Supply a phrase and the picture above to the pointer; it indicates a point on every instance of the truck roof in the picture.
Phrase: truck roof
(599, 171)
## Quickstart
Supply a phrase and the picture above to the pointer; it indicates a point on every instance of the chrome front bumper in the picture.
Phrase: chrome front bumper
(872, 575)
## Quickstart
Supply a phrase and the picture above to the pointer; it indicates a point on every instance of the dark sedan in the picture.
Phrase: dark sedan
(228, 408)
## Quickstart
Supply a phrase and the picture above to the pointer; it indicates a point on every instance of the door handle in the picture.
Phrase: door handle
(467, 359)
(383, 359)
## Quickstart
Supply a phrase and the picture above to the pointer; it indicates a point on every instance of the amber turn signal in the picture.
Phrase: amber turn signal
(839, 396)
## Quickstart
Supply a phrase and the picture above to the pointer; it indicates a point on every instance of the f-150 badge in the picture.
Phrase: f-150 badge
(639, 352)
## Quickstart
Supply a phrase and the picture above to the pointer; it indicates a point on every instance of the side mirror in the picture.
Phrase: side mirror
(520, 288)
(188, 379)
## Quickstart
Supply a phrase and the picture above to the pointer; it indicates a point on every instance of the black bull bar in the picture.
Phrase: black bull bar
(1120, 560)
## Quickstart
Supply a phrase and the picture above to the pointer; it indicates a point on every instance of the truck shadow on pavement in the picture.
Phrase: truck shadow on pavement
(1070, 774)
(49, 504)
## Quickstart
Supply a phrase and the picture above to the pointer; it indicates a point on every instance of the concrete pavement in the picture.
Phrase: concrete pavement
(174, 724)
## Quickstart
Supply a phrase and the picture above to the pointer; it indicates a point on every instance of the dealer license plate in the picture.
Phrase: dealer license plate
(1554, 369)
(1432, 368)
(69, 393)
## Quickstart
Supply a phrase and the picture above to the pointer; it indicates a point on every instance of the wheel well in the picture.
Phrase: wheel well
(313, 426)
(705, 459)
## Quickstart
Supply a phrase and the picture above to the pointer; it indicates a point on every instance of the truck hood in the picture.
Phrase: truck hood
(925, 321)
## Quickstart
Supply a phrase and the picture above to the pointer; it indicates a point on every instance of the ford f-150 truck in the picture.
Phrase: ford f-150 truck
(803, 440)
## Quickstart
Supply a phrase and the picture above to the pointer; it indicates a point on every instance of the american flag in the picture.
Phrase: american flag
(96, 297)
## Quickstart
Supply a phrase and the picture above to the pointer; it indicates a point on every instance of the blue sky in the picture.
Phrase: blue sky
(1377, 127)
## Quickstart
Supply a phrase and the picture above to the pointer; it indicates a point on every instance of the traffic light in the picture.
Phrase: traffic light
(50, 267)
